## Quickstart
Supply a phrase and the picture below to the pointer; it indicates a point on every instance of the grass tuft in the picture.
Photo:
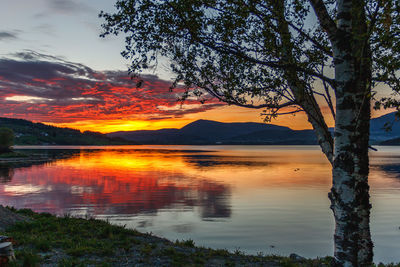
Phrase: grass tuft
(68, 241)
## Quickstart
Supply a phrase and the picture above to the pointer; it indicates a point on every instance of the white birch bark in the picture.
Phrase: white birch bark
(349, 195)
(350, 191)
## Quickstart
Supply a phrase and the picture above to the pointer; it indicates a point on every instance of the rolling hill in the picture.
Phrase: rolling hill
(207, 132)
(201, 132)
(30, 133)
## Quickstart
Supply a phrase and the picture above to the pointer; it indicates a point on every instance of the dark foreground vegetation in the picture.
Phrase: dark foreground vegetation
(6, 140)
(46, 240)
(12, 154)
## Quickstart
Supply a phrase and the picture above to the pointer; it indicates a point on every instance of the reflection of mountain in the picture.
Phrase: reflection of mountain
(115, 182)
(33, 158)
(392, 169)
(6, 174)
(206, 161)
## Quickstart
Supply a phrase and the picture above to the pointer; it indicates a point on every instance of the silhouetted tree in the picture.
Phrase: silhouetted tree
(275, 54)
(6, 174)
(6, 140)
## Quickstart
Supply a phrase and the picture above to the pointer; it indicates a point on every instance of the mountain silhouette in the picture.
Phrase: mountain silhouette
(385, 130)
(208, 132)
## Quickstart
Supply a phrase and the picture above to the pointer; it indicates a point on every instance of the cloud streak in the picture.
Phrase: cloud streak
(67, 6)
(7, 35)
(46, 88)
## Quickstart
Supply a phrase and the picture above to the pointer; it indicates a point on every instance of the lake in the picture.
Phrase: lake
(269, 199)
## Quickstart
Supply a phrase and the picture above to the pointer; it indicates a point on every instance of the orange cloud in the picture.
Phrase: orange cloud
(48, 89)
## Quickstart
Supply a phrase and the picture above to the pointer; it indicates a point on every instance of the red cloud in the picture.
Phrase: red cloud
(40, 87)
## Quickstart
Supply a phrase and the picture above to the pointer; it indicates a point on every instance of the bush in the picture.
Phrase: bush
(6, 140)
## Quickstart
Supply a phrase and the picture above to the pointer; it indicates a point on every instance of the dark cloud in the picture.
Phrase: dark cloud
(47, 88)
(7, 35)
(68, 6)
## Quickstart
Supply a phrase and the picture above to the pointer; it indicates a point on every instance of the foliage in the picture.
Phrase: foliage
(186, 243)
(218, 46)
(385, 42)
(243, 52)
(6, 139)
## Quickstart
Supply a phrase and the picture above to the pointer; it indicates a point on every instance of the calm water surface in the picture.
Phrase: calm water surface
(269, 199)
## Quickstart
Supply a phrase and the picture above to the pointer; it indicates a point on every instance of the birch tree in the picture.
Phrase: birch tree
(282, 56)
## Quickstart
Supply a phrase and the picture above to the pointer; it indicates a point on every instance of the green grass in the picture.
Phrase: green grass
(185, 243)
(76, 237)
(82, 242)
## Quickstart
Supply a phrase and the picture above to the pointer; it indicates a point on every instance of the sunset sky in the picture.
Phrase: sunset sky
(54, 68)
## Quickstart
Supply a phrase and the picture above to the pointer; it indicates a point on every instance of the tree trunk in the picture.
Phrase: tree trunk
(349, 195)
(350, 191)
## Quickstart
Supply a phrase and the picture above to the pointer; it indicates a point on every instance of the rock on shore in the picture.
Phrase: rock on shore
(8, 218)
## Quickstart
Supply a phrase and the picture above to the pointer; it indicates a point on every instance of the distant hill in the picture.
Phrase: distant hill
(379, 128)
(207, 132)
(29, 133)
(201, 132)
(225, 131)
(391, 142)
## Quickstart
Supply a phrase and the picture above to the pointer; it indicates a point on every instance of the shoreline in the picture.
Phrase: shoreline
(46, 240)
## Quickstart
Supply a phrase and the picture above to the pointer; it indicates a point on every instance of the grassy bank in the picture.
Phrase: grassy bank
(47, 240)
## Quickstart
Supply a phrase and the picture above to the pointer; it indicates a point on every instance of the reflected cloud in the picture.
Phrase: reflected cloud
(7, 168)
(172, 193)
(125, 182)
(18, 190)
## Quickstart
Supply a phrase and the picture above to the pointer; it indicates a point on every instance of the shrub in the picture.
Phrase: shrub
(6, 139)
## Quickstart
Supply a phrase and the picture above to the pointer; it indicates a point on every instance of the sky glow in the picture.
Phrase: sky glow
(54, 68)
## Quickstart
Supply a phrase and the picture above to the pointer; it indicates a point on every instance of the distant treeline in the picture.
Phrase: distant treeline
(29, 133)
(201, 132)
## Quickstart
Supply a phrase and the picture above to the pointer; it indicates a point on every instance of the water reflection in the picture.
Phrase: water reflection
(207, 161)
(6, 174)
(392, 170)
(94, 182)
(269, 199)
(42, 157)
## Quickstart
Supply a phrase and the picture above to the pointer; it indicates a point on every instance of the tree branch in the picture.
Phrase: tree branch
(324, 18)
(233, 101)
(283, 113)
(302, 94)
(313, 41)
(373, 18)
(271, 64)
(238, 51)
